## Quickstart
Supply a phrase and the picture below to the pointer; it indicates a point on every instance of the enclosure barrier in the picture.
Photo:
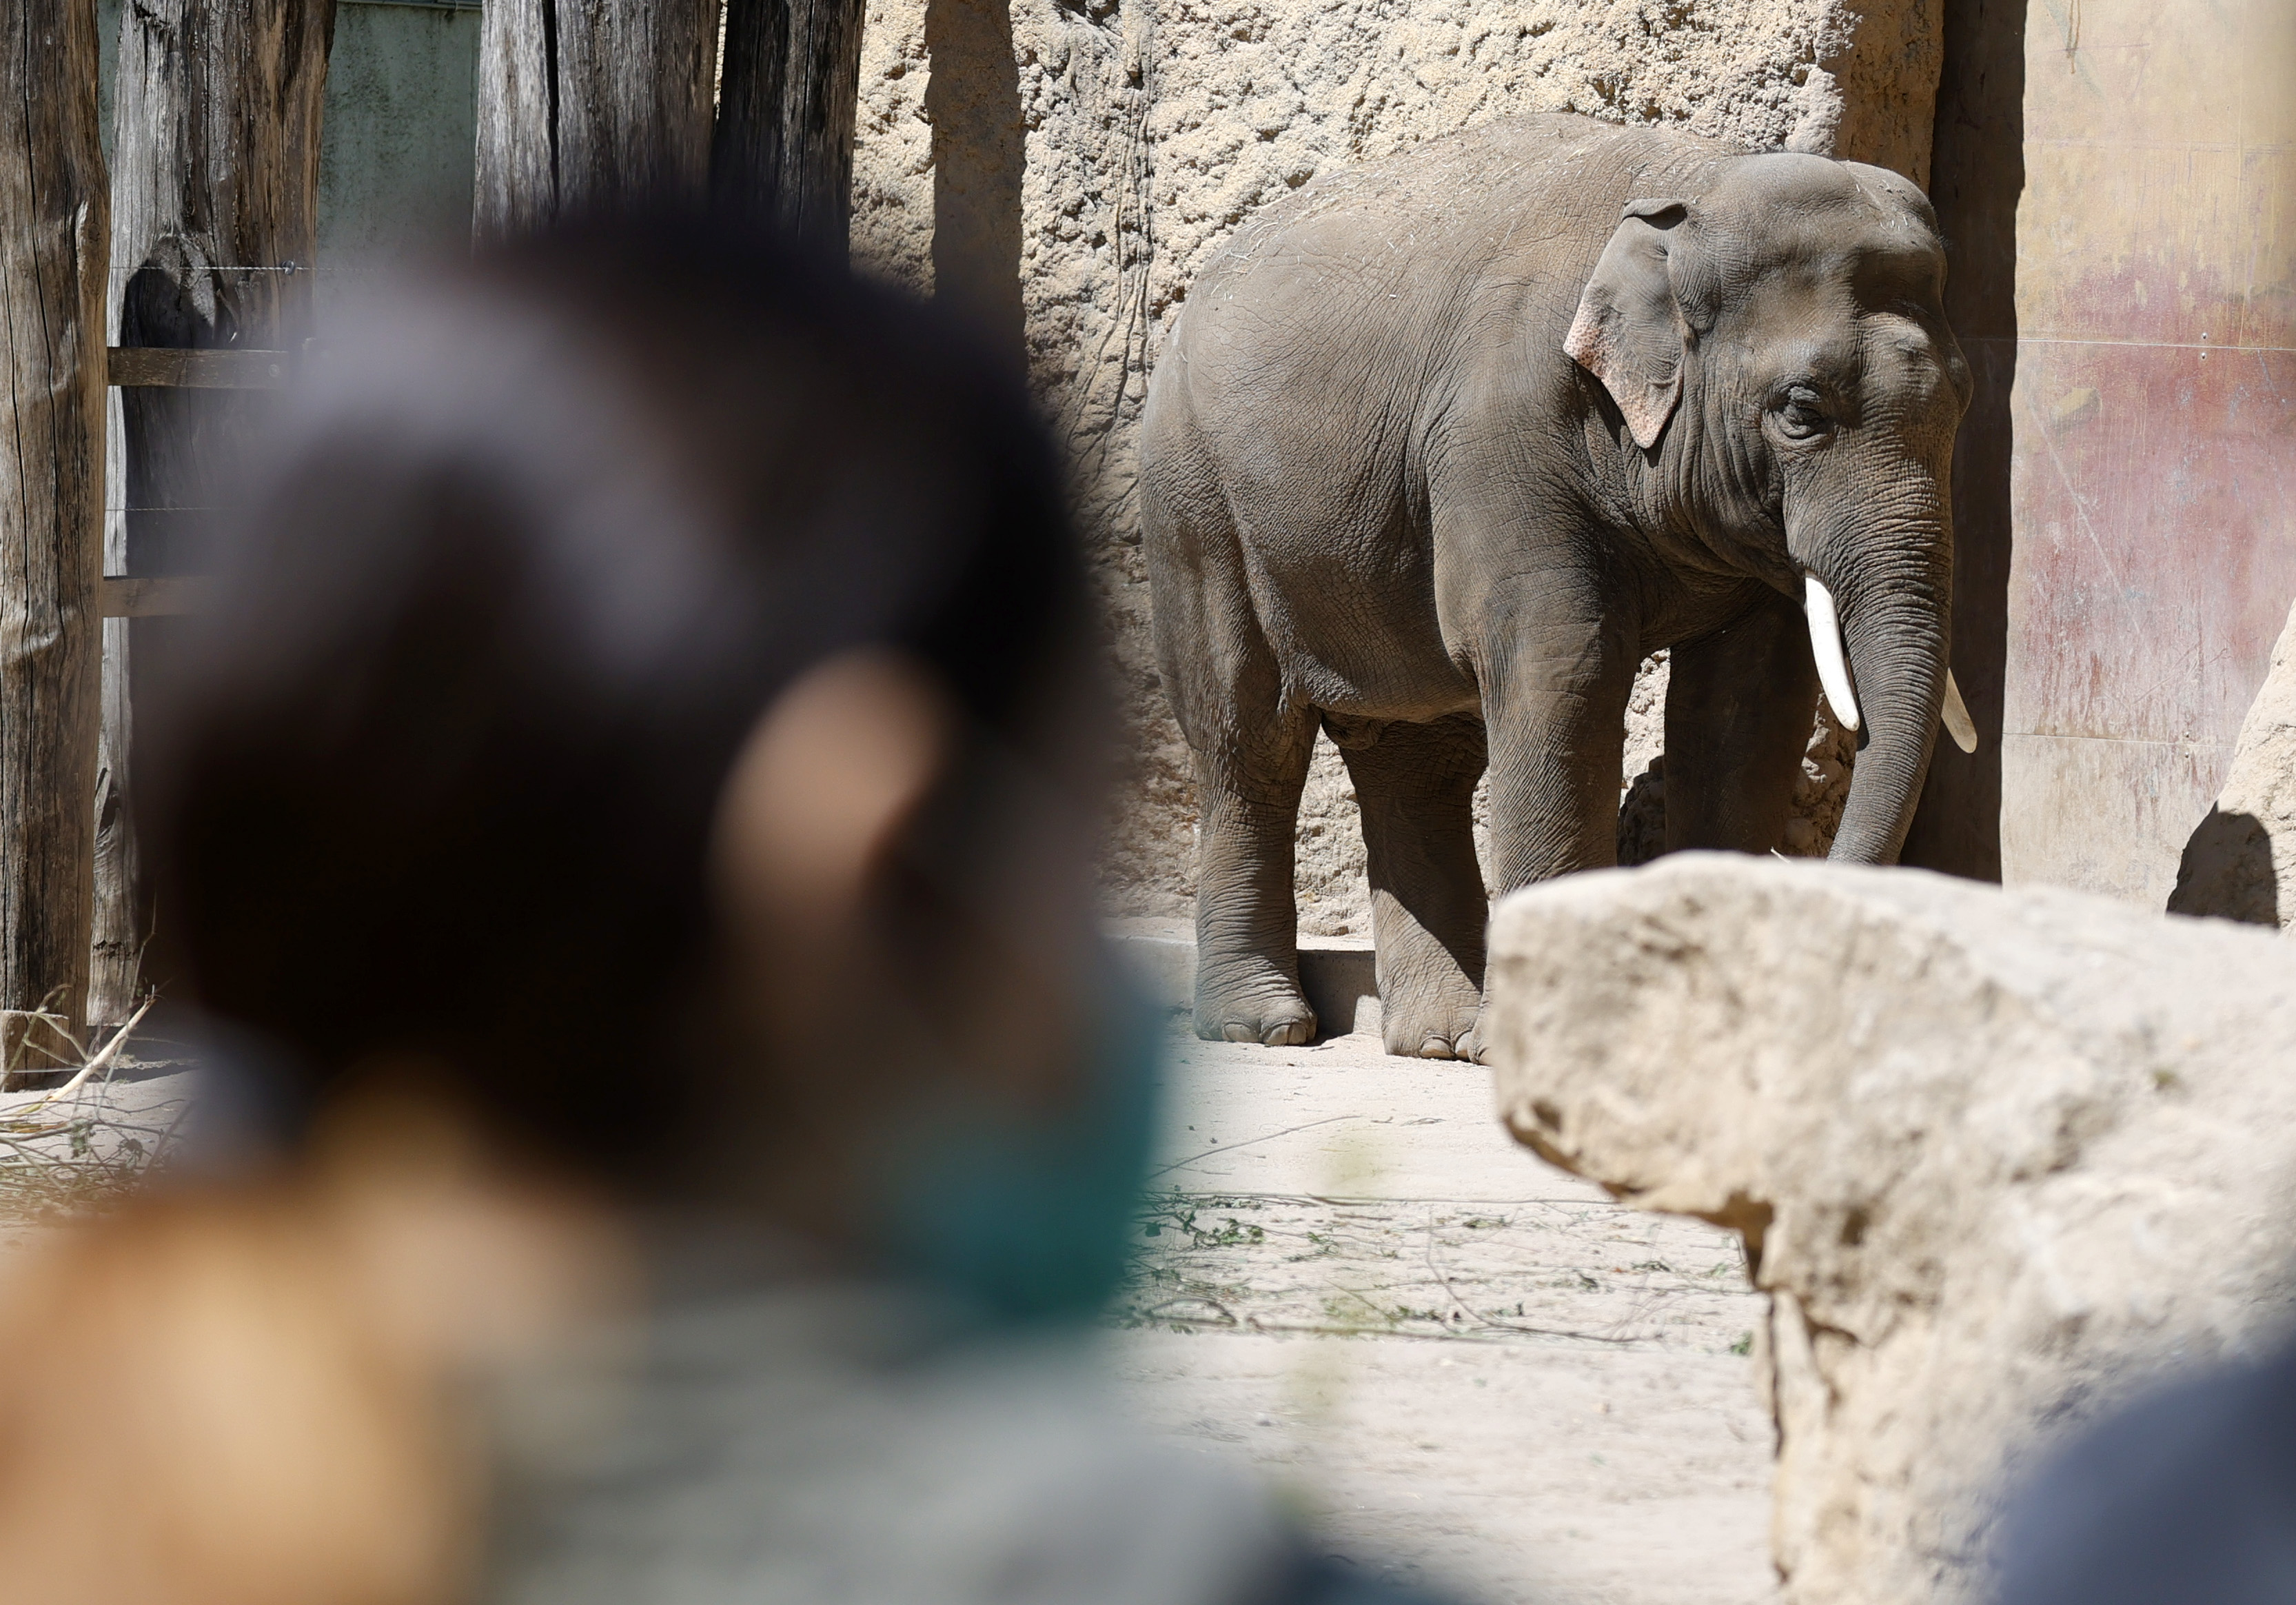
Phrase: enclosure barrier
(128, 596)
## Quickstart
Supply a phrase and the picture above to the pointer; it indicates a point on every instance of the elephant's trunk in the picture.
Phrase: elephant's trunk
(1889, 578)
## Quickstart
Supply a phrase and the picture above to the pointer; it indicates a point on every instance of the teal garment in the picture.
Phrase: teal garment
(764, 1437)
(1026, 1220)
(816, 1443)
(941, 1436)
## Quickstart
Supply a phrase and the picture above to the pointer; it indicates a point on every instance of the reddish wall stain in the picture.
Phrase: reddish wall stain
(2154, 564)
(2150, 421)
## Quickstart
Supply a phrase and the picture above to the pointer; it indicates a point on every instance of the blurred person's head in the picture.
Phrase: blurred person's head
(653, 697)
(643, 763)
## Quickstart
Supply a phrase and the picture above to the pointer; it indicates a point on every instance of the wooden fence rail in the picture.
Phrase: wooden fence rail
(192, 367)
(135, 597)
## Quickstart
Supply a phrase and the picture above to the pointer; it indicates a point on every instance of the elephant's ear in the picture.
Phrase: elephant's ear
(1628, 332)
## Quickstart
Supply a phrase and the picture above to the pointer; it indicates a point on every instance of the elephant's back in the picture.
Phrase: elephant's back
(1375, 283)
(1503, 187)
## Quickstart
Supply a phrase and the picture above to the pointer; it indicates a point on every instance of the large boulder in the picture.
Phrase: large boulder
(2242, 854)
(2000, 1158)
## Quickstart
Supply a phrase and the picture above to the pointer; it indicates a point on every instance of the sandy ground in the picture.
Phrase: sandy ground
(63, 1149)
(1469, 1368)
(1463, 1366)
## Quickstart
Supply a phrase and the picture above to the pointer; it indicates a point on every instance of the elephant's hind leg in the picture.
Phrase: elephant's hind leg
(1247, 927)
(1415, 784)
(1249, 739)
(1738, 707)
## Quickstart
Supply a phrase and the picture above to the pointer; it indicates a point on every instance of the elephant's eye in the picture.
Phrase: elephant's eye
(1799, 415)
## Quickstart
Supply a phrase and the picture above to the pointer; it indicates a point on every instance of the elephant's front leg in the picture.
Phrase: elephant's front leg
(1555, 706)
(1738, 707)
(1554, 711)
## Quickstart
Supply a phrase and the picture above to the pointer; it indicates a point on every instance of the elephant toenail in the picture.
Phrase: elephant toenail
(1435, 1047)
(1236, 1031)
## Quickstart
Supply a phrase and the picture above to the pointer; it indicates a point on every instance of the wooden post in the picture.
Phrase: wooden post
(784, 142)
(214, 224)
(53, 235)
(116, 938)
(979, 162)
(591, 106)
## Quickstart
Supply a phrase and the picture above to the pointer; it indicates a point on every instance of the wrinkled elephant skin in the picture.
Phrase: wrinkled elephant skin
(1443, 446)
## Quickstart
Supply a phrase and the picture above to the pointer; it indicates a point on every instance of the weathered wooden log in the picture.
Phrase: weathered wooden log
(786, 101)
(591, 106)
(53, 238)
(163, 596)
(142, 367)
(115, 943)
(215, 225)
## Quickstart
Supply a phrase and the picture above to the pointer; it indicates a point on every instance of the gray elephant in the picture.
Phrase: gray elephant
(1443, 446)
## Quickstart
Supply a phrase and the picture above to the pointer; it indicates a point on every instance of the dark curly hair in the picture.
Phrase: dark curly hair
(534, 553)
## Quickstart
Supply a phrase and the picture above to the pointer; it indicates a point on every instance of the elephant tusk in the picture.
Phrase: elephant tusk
(1956, 714)
(1826, 647)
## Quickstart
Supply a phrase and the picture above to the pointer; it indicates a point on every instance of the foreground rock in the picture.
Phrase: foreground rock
(1999, 1157)
(2240, 861)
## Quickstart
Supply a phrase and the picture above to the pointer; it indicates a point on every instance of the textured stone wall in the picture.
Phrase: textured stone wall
(1095, 153)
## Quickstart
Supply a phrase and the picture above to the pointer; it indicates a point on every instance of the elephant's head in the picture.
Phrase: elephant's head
(1779, 357)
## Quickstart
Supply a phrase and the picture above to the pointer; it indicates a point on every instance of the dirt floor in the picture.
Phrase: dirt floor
(1469, 1368)
(1465, 1367)
(63, 1151)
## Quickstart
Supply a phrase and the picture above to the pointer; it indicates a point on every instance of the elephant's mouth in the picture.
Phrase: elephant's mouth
(1832, 658)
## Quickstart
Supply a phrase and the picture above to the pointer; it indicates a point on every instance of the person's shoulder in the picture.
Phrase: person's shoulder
(2188, 1494)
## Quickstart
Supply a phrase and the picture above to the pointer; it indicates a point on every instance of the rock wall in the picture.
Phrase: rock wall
(2000, 1159)
(1095, 153)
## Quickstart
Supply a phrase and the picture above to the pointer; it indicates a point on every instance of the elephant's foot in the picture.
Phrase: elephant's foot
(1431, 1018)
(1252, 1002)
(1476, 1045)
(1472, 1048)
(1427, 1002)
(1436, 1028)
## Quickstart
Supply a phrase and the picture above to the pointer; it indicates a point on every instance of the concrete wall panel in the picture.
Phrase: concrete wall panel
(2103, 813)
(2153, 418)
(2118, 180)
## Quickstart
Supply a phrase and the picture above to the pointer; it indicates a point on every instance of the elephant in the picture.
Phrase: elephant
(1443, 446)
